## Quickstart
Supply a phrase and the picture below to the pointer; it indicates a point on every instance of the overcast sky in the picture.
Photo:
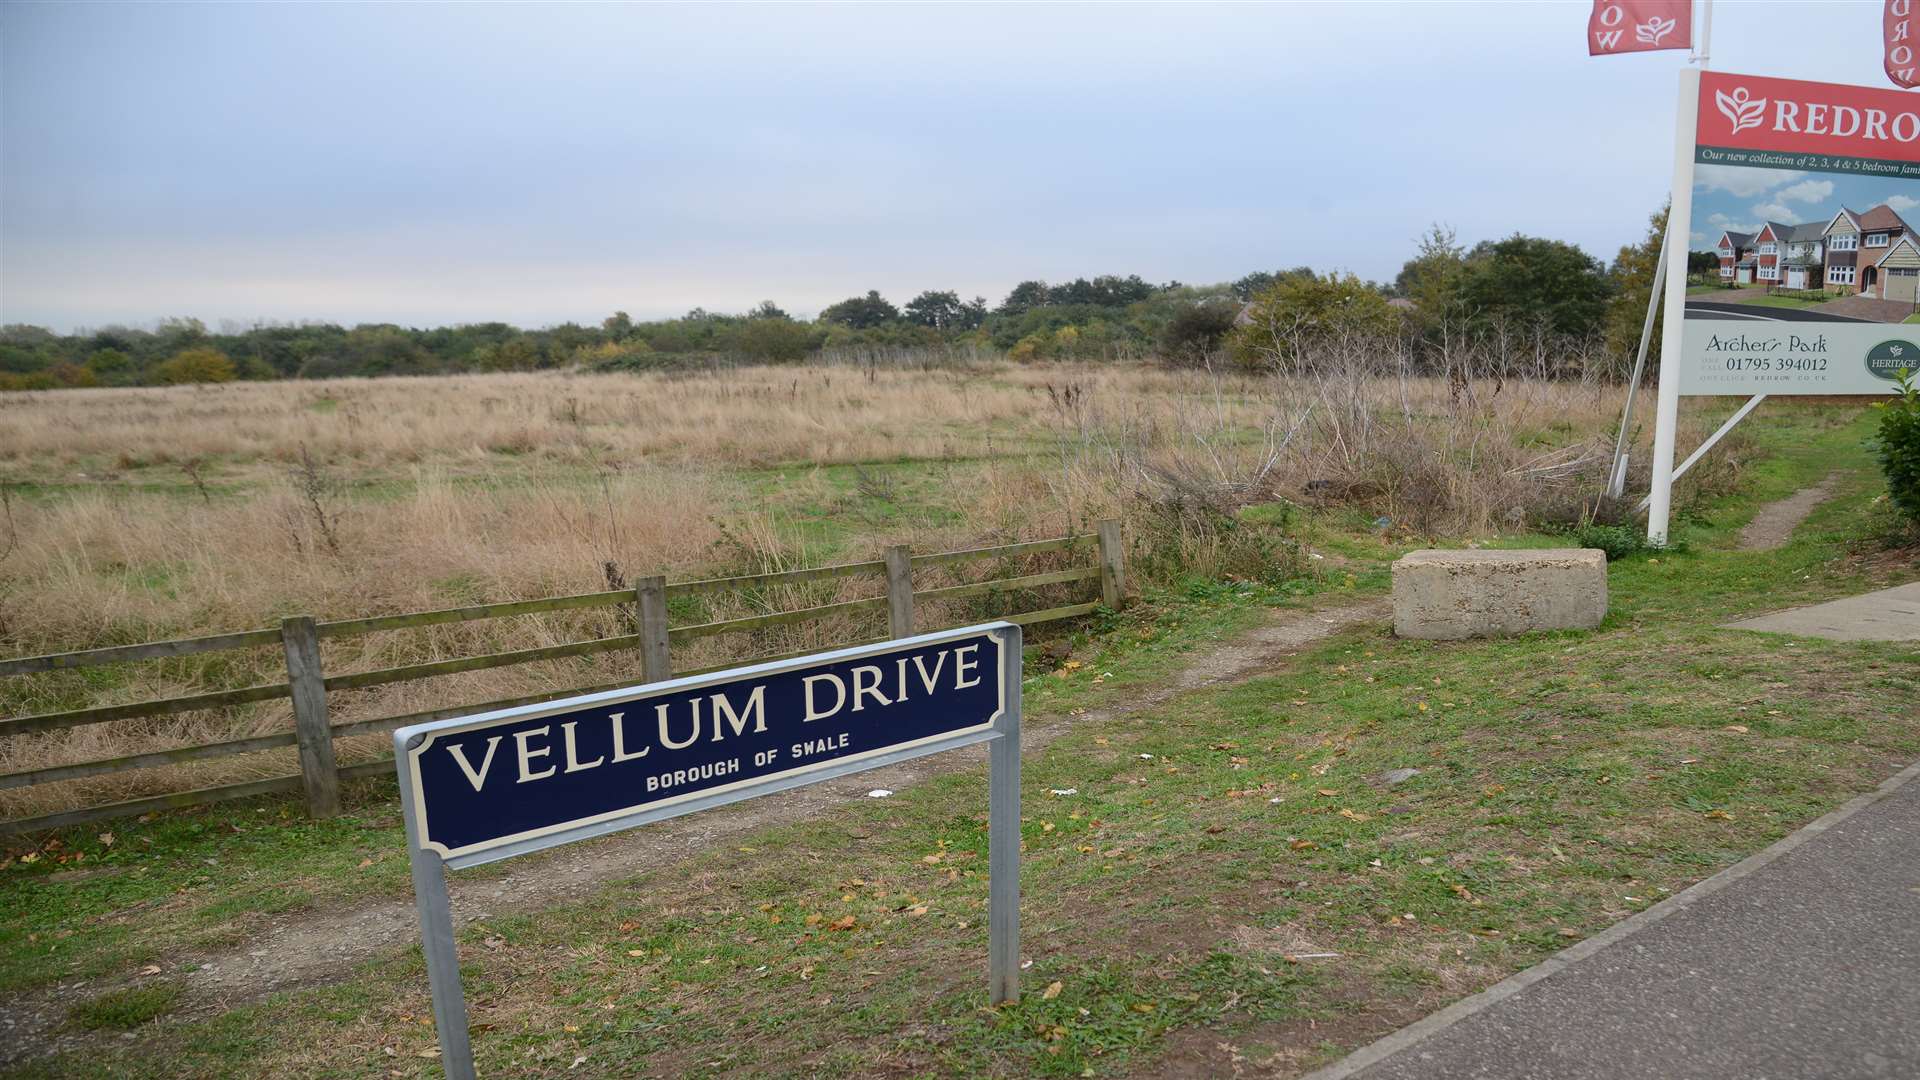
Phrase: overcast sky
(434, 164)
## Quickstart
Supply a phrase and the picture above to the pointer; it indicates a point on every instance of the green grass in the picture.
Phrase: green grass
(1781, 302)
(1566, 780)
(124, 1010)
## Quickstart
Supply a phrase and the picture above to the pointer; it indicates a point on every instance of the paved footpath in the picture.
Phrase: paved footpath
(1887, 615)
(1799, 963)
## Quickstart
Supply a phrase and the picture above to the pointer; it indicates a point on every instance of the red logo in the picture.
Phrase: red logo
(1751, 112)
(1624, 26)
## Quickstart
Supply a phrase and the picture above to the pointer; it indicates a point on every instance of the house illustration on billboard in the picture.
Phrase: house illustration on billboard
(1872, 254)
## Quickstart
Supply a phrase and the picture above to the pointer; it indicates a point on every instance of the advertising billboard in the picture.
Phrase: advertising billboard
(1808, 195)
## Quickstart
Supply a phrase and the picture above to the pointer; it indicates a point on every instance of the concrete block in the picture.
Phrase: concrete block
(1461, 594)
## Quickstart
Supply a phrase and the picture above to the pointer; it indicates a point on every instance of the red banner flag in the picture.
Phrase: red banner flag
(1897, 23)
(1625, 26)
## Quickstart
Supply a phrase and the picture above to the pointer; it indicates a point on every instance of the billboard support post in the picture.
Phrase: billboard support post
(1679, 227)
(1617, 472)
(1700, 451)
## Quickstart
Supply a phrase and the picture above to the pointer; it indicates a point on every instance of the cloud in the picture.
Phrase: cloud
(1722, 221)
(1743, 182)
(1901, 203)
(1807, 191)
(1774, 211)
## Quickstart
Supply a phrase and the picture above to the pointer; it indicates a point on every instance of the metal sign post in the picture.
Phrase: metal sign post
(483, 788)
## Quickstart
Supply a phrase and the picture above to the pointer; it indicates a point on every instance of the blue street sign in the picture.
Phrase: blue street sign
(481, 788)
(524, 774)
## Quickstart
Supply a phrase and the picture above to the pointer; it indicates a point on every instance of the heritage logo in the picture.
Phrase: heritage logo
(1889, 358)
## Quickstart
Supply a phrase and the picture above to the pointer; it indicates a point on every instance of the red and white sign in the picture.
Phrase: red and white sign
(1897, 26)
(1751, 112)
(1628, 26)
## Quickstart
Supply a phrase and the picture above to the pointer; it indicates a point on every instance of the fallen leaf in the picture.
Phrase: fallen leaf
(1719, 815)
(106, 838)
(1329, 792)
(1052, 991)
(845, 922)
(1737, 729)
(150, 969)
(1303, 845)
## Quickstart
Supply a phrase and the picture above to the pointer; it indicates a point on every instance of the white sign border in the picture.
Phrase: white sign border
(410, 743)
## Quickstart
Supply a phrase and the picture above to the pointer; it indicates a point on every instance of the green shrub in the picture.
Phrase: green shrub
(200, 365)
(1898, 447)
(1620, 541)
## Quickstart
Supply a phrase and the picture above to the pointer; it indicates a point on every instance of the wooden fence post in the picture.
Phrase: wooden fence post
(656, 662)
(1113, 566)
(311, 731)
(899, 592)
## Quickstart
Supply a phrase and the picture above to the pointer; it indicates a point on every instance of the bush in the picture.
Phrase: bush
(1294, 317)
(1620, 541)
(1898, 447)
(1196, 331)
(195, 366)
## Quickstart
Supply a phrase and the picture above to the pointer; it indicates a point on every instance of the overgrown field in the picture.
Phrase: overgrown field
(132, 515)
(1236, 880)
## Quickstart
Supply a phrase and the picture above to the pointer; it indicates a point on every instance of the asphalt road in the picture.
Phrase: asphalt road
(1709, 309)
(1806, 967)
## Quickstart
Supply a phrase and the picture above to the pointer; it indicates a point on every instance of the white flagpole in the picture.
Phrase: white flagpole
(1706, 36)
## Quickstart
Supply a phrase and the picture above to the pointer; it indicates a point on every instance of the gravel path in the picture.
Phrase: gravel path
(1773, 526)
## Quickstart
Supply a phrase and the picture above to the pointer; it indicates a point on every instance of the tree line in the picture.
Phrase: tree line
(1546, 286)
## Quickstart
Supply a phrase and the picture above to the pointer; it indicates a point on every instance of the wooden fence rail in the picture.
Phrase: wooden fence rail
(308, 685)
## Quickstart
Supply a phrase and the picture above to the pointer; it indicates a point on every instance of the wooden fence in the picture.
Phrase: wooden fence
(308, 684)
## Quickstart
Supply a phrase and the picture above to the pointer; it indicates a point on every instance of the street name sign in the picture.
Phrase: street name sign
(482, 788)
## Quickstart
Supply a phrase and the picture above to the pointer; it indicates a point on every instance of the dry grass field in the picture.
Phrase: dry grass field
(131, 515)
